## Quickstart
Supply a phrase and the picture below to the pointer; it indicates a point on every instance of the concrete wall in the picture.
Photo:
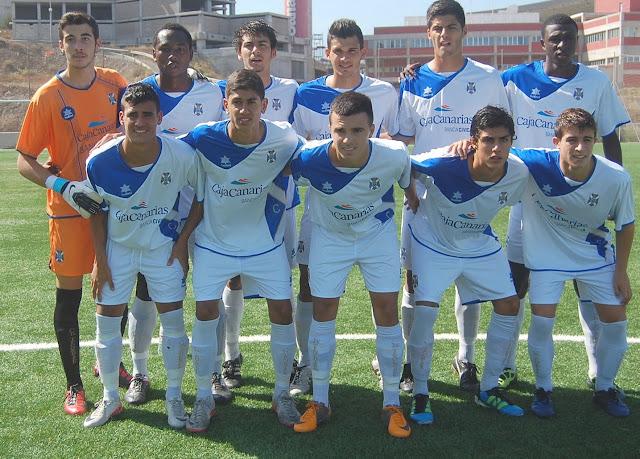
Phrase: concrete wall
(8, 139)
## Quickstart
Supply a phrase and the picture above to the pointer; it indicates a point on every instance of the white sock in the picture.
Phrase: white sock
(591, 329)
(303, 316)
(510, 361)
(203, 353)
(421, 346)
(109, 354)
(610, 351)
(322, 348)
(540, 343)
(221, 335)
(500, 340)
(467, 319)
(175, 345)
(407, 305)
(233, 307)
(142, 321)
(283, 350)
(389, 349)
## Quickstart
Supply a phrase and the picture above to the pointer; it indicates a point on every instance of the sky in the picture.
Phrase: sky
(368, 13)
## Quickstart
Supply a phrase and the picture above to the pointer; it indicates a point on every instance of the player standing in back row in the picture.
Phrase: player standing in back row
(60, 120)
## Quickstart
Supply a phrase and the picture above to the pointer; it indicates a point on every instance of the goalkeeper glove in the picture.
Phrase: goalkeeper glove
(85, 200)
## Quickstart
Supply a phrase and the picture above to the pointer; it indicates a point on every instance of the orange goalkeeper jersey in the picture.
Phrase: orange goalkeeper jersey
(68, 122)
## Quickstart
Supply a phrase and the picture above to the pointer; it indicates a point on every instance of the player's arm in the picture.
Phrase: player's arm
(612, 148)
(78, 195)
(404, 139)
(621, 283)
(180, 250)
(101, 274)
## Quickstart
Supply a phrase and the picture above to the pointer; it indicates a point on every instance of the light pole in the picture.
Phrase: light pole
(50, 25)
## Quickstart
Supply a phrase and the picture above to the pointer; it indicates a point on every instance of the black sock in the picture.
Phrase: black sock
(125, 318)
(65, 323)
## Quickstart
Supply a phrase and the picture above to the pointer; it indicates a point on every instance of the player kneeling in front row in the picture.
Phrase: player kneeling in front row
(350, 179)
(573, 193)
(139, 177)
(452, 241)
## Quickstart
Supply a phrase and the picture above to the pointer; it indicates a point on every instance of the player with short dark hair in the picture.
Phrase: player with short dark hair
(140, 177)
(351, 179)
(238, 212)
(60, 120)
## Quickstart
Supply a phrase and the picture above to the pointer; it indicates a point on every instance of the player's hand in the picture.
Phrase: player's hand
(180, 252)
(107, 138)
(461, 148)
(622, 286)
(84, 199)
(412, 203)
(100, 276)
(409, 71)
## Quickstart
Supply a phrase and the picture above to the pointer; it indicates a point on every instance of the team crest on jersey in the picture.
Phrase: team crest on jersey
(165, 178)
(535, 93)
(593, 199)
(112, 98)
(471, 87)
(271, 156)
(225, 162)
(326, 106)
(374, 183)
(428, 92)
(456, 196)
(59, 255)
(578, 93)
(67, 113)
(276, 104)
(502, 198)
(125, 190)
(300, 246)
(327, 187)
(546, 189)
(197, 109)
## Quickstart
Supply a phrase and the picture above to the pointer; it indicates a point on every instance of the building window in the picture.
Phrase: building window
(192, 5)
(392, 43)
(630, 32)
(598, 62)
(420, 43)
(595, 37)
(297, 49)
(297, 70)
(101, 11)
(56, 11)
(76, 7)
(613, 33)
(27, 11)
(631, 58)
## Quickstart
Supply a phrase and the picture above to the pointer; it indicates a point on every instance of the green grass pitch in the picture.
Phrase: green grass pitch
(32, 422)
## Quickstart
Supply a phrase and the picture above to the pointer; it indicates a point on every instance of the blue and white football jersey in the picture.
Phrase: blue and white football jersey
(243, 206)
(438, 109)
(280, 94)
(138, 201)
(454, 217)
(200, 104)
(355, 201)
(536, 101)
(564, 223)
(310, 115)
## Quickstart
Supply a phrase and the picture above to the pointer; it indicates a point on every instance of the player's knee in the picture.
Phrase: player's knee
(280, 311)
(207, 310)
(611, 313)
(142, 291)
(507, 306)
(235, 283)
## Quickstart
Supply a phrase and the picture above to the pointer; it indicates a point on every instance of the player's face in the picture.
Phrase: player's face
(446, 35)
(256, 53)
(345, 55)
(140, 121)
(244, 107)
(350, 135)
(492, 148)
(79, 46)
(576, 147)
(559, 43)
(172, 53)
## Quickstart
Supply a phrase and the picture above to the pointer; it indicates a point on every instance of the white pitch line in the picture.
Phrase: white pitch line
(265, 339)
